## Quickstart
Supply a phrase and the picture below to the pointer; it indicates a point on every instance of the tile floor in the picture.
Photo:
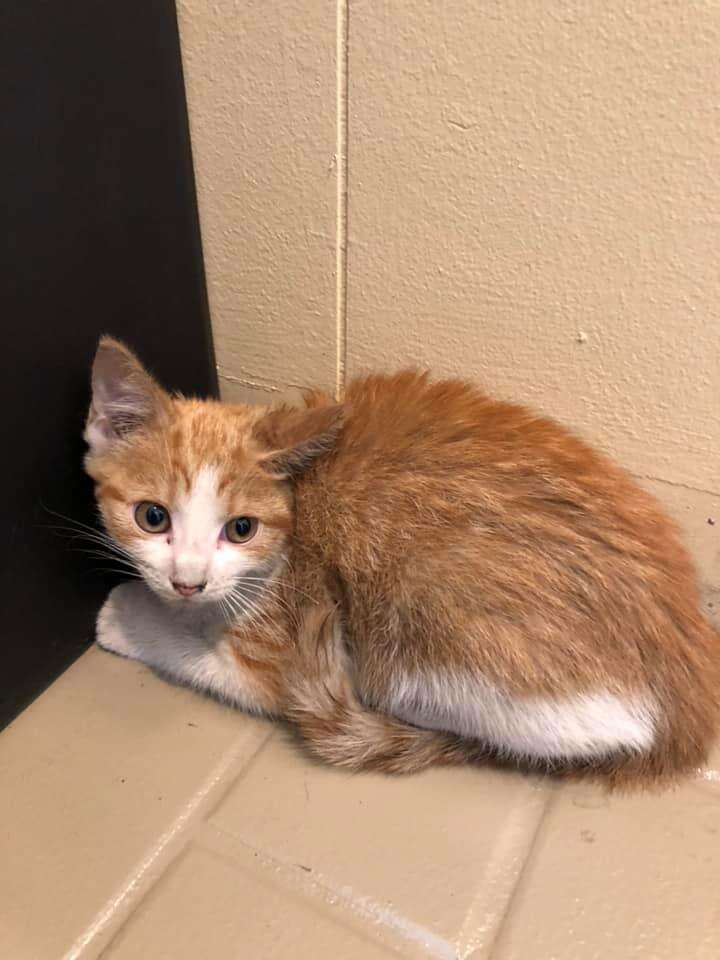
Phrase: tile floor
(142, 822)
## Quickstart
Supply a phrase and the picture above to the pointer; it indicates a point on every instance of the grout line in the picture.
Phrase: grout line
(105, 923)
(275, 386)
(341, 213)
(373, 919)
(676, 483)
(255, 384)
(490, 950)
(513, 844)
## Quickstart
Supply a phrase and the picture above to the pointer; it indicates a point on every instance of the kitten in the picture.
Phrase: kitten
(418, 575)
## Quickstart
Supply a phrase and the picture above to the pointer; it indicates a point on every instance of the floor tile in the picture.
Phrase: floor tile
(210, 906)
(621, 877)
(97, 778)
(429, 861)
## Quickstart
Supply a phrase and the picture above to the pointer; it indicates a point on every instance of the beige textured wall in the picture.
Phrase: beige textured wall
(525, 193)
(261, 88)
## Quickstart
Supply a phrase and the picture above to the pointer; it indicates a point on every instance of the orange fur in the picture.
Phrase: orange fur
(440, 531)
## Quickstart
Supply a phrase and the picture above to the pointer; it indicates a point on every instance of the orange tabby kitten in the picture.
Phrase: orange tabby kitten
(420, 574)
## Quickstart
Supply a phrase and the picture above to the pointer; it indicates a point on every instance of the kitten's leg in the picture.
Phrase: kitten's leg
(338, 728)
(135, 623)
(116, 627)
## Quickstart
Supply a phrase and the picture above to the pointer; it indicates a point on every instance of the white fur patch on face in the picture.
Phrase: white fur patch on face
(581, 726)
(196, 523)
(193, 551)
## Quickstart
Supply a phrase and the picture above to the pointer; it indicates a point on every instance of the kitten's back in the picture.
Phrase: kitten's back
(480, 543)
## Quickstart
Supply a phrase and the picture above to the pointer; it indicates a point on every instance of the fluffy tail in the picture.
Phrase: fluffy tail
(339, 729)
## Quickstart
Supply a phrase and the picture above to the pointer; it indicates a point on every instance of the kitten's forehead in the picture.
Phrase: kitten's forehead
(210, 449)
(204, 432)
(204, 445)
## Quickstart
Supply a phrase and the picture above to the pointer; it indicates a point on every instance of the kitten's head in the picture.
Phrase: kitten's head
(196, 493)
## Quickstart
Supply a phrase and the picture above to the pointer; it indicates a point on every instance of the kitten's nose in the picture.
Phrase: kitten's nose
(187, 589)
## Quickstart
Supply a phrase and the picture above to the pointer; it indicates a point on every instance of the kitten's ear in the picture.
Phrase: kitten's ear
(124, 395)
(297, 437)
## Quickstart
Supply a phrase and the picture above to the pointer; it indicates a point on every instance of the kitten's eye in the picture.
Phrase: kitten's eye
(152, 518)
(241, 529)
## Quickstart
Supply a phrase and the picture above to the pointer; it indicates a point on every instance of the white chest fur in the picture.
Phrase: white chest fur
(136, 624)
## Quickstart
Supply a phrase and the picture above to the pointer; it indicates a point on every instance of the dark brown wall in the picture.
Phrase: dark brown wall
(99, 234)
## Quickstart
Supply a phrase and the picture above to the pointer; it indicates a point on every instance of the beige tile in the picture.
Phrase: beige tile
(99, 778)
(211, 906)
(112, 773)
(428, 862)
(622, 877)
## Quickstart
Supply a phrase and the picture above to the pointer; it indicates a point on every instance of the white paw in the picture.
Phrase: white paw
(113, 630)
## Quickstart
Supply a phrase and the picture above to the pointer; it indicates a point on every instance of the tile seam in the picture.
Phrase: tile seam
(676, 483)
(165, 849)
(373, 919)
(489, 952)
(341, 199)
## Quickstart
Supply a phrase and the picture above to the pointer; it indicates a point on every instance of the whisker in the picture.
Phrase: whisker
(82, 531)
(280, 601)
(225, 611)
(110, 555)
(234, 606)
(96, 536)
(255, 610)
(282, 583)
(268, 593)
(74, 525)
(124, 573)
(267, 583)
(244, 602)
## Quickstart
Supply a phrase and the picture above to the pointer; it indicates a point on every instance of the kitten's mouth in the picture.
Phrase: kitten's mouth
(188, 589)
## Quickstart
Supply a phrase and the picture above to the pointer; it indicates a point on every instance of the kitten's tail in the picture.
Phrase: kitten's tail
(341, 730)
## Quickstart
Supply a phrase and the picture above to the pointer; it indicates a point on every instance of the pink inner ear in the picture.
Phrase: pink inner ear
(124, 395)
(98, 432)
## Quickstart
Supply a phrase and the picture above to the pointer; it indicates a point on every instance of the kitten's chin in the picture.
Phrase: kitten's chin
(199, 609)
(235, 601)
(169, 595)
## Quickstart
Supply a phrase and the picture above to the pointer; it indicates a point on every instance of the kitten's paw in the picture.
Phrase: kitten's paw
(113, 630)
